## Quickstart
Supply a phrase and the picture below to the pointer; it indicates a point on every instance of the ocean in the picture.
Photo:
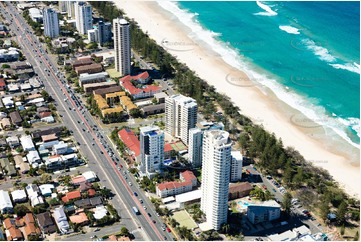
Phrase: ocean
(307, 53)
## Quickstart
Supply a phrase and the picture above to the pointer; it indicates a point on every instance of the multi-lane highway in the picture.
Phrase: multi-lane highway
(101, 158)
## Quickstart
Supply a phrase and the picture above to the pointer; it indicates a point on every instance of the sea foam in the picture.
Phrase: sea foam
(268, 9)
(321, 52)
(354, 67)
(289, 29)
(232, 57)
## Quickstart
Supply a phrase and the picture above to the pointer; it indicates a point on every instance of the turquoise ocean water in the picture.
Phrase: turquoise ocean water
(307, 53)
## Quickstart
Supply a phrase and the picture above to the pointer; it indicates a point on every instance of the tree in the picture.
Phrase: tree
(34, 237)
(53, 202)
(225, 228)
(342, 230)
(357, 236)
(341, 213)
(105, 192)
(124, 232)
(45, 178)
(286, 203)
(45, 95)
(32, 172)
(92, 46)
(21, 210)
(136, 113)
(324, 210)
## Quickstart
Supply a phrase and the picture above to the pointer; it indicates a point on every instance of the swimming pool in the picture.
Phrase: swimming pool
(244, 204)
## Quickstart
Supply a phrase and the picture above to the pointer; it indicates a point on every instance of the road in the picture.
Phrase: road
(84, 128)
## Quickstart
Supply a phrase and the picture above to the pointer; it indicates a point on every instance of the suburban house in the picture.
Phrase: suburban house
(6, 206)
(46, 223)
(61, 220)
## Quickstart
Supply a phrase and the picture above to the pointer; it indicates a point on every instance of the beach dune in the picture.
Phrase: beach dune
(254, 101)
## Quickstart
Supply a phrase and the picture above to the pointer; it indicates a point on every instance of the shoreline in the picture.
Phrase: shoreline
(265, 108)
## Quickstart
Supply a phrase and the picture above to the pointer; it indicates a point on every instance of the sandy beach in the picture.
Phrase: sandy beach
(254, 101)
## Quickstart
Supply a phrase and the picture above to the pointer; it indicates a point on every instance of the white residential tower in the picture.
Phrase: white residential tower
(216, 164)
(51, 23)
(151, 150)
(180, 116)
(122, 45)
(83, 17)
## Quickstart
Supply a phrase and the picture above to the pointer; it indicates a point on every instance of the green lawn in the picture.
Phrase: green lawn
(113, 73)
(183, 218)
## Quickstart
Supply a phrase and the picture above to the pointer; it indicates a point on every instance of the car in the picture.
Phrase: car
(154, 221)
(145, 208)
(135, 194)
(97, 229)
(168, 230)
(274, 190)
(130, 184)
(101, 152)
(157, 214)
(149, 215)
(165, 238)
(140, 200)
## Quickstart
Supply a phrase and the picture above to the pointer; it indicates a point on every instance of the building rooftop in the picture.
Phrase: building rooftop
(240, 187)
(143, 75)
(237, 155)
(71, 195)
(130, 140)
(189, 196)
(103, 91)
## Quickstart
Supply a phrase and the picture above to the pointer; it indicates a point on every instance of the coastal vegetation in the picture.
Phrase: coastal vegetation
(314, 186)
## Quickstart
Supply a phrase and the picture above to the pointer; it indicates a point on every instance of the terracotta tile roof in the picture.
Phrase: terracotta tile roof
(79, 218)
(128, 85)
(2, 82)
(130, 140)
(15, 234)
(91, 192)
(29, 218)
(188, 175)
(31, 229)
(44, 114)
(173, 185)
(78, 179)
(8, 223)
(143, 75)
(151, 88)
(167, 147)
(71, 195)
